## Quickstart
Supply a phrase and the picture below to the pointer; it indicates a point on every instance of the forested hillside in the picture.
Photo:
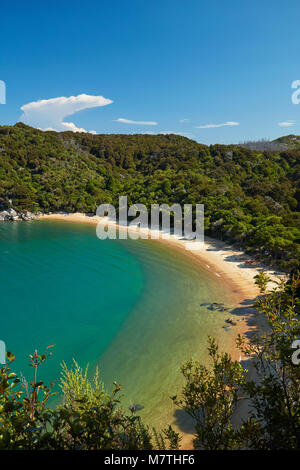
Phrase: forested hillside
(251, 197)
(292, 141)
(287, 142)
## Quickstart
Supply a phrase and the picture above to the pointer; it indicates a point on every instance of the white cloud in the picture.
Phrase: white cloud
(49, 114)
(286, 124)
(70, 126)
(184, 120)
(227, 123)
(140, 123)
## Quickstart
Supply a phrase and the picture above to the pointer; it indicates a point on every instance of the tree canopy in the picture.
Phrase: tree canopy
(251, 198)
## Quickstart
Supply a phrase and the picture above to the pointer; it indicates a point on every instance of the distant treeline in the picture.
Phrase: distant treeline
(251, 197)
(264, 144)
(283, 143)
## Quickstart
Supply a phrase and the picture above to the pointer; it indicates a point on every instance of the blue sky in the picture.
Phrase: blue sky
(154, 62)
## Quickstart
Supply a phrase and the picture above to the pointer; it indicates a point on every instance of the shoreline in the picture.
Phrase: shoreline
(221, 259)
(217, 259)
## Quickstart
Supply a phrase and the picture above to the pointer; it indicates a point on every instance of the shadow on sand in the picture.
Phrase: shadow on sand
(184, 422)
(240, 256)
(247, 310)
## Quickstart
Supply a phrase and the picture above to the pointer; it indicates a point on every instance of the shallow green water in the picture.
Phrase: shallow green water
(131, 307)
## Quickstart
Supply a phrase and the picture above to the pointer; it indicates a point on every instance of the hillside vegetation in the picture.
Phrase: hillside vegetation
(292, 141)
(281, 144)
(251, 197)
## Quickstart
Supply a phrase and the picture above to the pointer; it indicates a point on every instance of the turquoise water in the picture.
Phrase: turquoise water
(131, 307)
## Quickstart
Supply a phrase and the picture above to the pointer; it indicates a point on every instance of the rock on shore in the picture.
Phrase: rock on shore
(12, 215)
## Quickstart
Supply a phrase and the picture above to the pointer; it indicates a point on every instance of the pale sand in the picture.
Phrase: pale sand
(226, 263)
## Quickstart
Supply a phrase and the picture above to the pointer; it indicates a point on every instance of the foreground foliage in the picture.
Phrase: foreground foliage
(270, 388)
(87, 419)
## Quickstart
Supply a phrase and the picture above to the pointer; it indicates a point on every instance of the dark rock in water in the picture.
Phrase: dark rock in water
(135, 407)
(226, 328)
(214, 306)
(231, 321)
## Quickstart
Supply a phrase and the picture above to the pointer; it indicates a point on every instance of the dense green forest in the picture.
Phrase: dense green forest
(251, 197)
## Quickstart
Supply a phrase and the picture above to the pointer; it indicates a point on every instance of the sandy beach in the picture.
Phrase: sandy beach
(220, 260)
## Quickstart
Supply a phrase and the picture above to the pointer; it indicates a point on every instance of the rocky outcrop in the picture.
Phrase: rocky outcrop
(12, 215)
